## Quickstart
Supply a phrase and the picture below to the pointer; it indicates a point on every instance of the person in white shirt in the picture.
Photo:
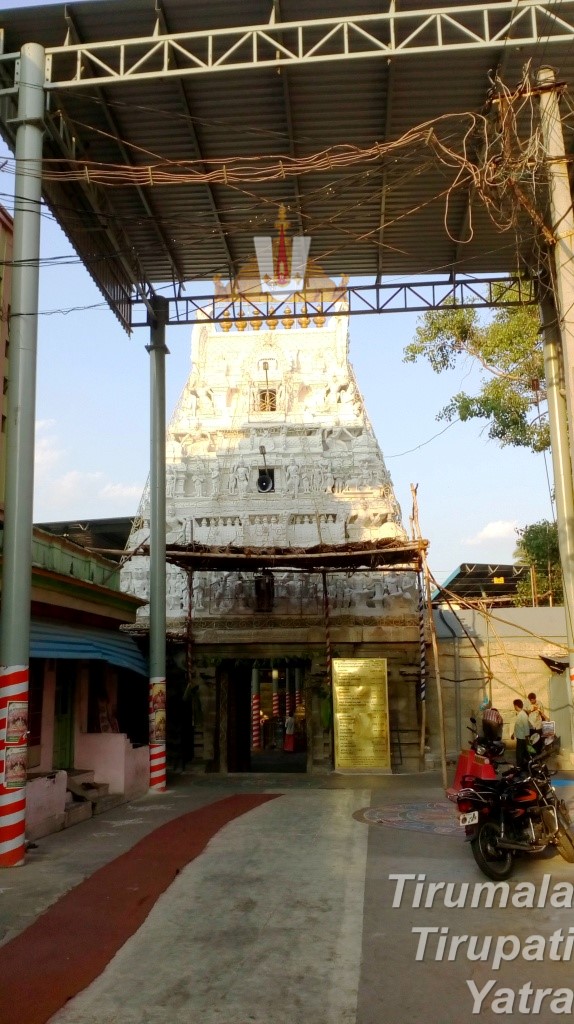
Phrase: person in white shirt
(521, 733)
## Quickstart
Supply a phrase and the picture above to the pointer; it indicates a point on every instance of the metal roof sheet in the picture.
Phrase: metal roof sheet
(482, 580)
(384, 217)
(53, 640)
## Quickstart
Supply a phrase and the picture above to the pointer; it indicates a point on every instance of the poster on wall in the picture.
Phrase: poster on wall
(361, 714)
(16, 766)
(17, 721)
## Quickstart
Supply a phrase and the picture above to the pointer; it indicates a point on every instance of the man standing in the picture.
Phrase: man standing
(521, 733)
(536, 712)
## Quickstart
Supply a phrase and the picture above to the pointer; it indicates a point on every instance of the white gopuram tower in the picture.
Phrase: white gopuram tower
(270, 447)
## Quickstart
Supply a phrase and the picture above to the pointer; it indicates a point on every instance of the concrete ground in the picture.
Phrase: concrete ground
(287, 915)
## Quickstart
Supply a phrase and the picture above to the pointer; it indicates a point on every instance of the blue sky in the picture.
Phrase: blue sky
(93, 422)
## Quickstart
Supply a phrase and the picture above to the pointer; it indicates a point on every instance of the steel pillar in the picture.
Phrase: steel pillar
(20, 421)
(563, 494)
(157, 565)
(563, 229)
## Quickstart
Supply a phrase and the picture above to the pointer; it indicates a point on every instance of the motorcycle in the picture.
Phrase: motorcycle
(481, 761)
(517, 812)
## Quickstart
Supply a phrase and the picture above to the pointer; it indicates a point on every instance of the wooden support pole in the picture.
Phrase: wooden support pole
(426, 576)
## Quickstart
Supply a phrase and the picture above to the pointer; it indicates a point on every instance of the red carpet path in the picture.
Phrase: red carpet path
(73, 941)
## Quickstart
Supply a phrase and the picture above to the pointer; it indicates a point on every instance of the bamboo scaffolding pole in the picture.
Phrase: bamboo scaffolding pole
(434, 644)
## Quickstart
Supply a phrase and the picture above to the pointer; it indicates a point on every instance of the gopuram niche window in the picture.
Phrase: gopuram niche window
(266, 400)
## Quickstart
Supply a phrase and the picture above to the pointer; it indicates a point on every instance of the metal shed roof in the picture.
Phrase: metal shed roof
(481, 581)
(183, 85)
(57, 640)
(105, 536)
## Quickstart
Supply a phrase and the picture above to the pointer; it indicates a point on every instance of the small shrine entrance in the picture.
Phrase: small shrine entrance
(264, 709)
(262, 724)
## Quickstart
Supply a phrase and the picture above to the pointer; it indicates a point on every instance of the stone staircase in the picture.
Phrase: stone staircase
(85, 798)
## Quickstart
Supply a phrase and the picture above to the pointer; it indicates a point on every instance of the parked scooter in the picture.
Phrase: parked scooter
(517, 812)
(481, 761)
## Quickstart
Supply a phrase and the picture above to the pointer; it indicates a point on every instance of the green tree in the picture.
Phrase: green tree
(537, 547)
(508, 347)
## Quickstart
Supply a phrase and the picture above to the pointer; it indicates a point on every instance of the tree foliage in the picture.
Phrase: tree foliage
(538, 547)
(512, 394)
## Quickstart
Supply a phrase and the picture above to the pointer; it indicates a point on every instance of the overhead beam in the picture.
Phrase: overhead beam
(349, 300)
(309, 41)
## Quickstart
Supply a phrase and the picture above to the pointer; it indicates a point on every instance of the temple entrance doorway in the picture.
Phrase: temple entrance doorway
(238, 718)
(266, 729)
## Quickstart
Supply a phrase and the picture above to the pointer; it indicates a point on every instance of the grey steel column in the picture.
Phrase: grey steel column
(563, 489)
(157, 569)
(562, 229)
(563, 251)
(20, 421)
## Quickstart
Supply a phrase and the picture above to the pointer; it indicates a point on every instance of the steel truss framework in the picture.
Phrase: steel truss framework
(348, 300)
(389, 34)
(399, 35)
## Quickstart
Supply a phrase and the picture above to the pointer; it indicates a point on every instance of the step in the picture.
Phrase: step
(77, 812)
(108, 801)
(89, 790)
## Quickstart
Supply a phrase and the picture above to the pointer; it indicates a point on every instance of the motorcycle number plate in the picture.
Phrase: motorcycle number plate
(470, 818)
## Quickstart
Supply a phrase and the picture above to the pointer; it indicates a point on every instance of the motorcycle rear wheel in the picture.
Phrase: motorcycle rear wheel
(492, 861)
(564, 840)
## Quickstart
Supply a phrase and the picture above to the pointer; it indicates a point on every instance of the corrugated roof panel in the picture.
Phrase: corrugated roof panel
(51, 640)
(159, 233)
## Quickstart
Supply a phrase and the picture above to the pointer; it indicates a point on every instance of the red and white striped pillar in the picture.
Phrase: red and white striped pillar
(422, 645)
(255, 710)
(13, 764)
(298, 693)
(275, 684)
(19, 469)
(158, 317)
(157, 727)
(328, 648)
(288, 690)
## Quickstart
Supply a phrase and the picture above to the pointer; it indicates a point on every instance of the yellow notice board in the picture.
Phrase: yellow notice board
(361, 713)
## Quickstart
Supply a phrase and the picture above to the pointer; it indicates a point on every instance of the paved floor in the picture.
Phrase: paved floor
(275, 905)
